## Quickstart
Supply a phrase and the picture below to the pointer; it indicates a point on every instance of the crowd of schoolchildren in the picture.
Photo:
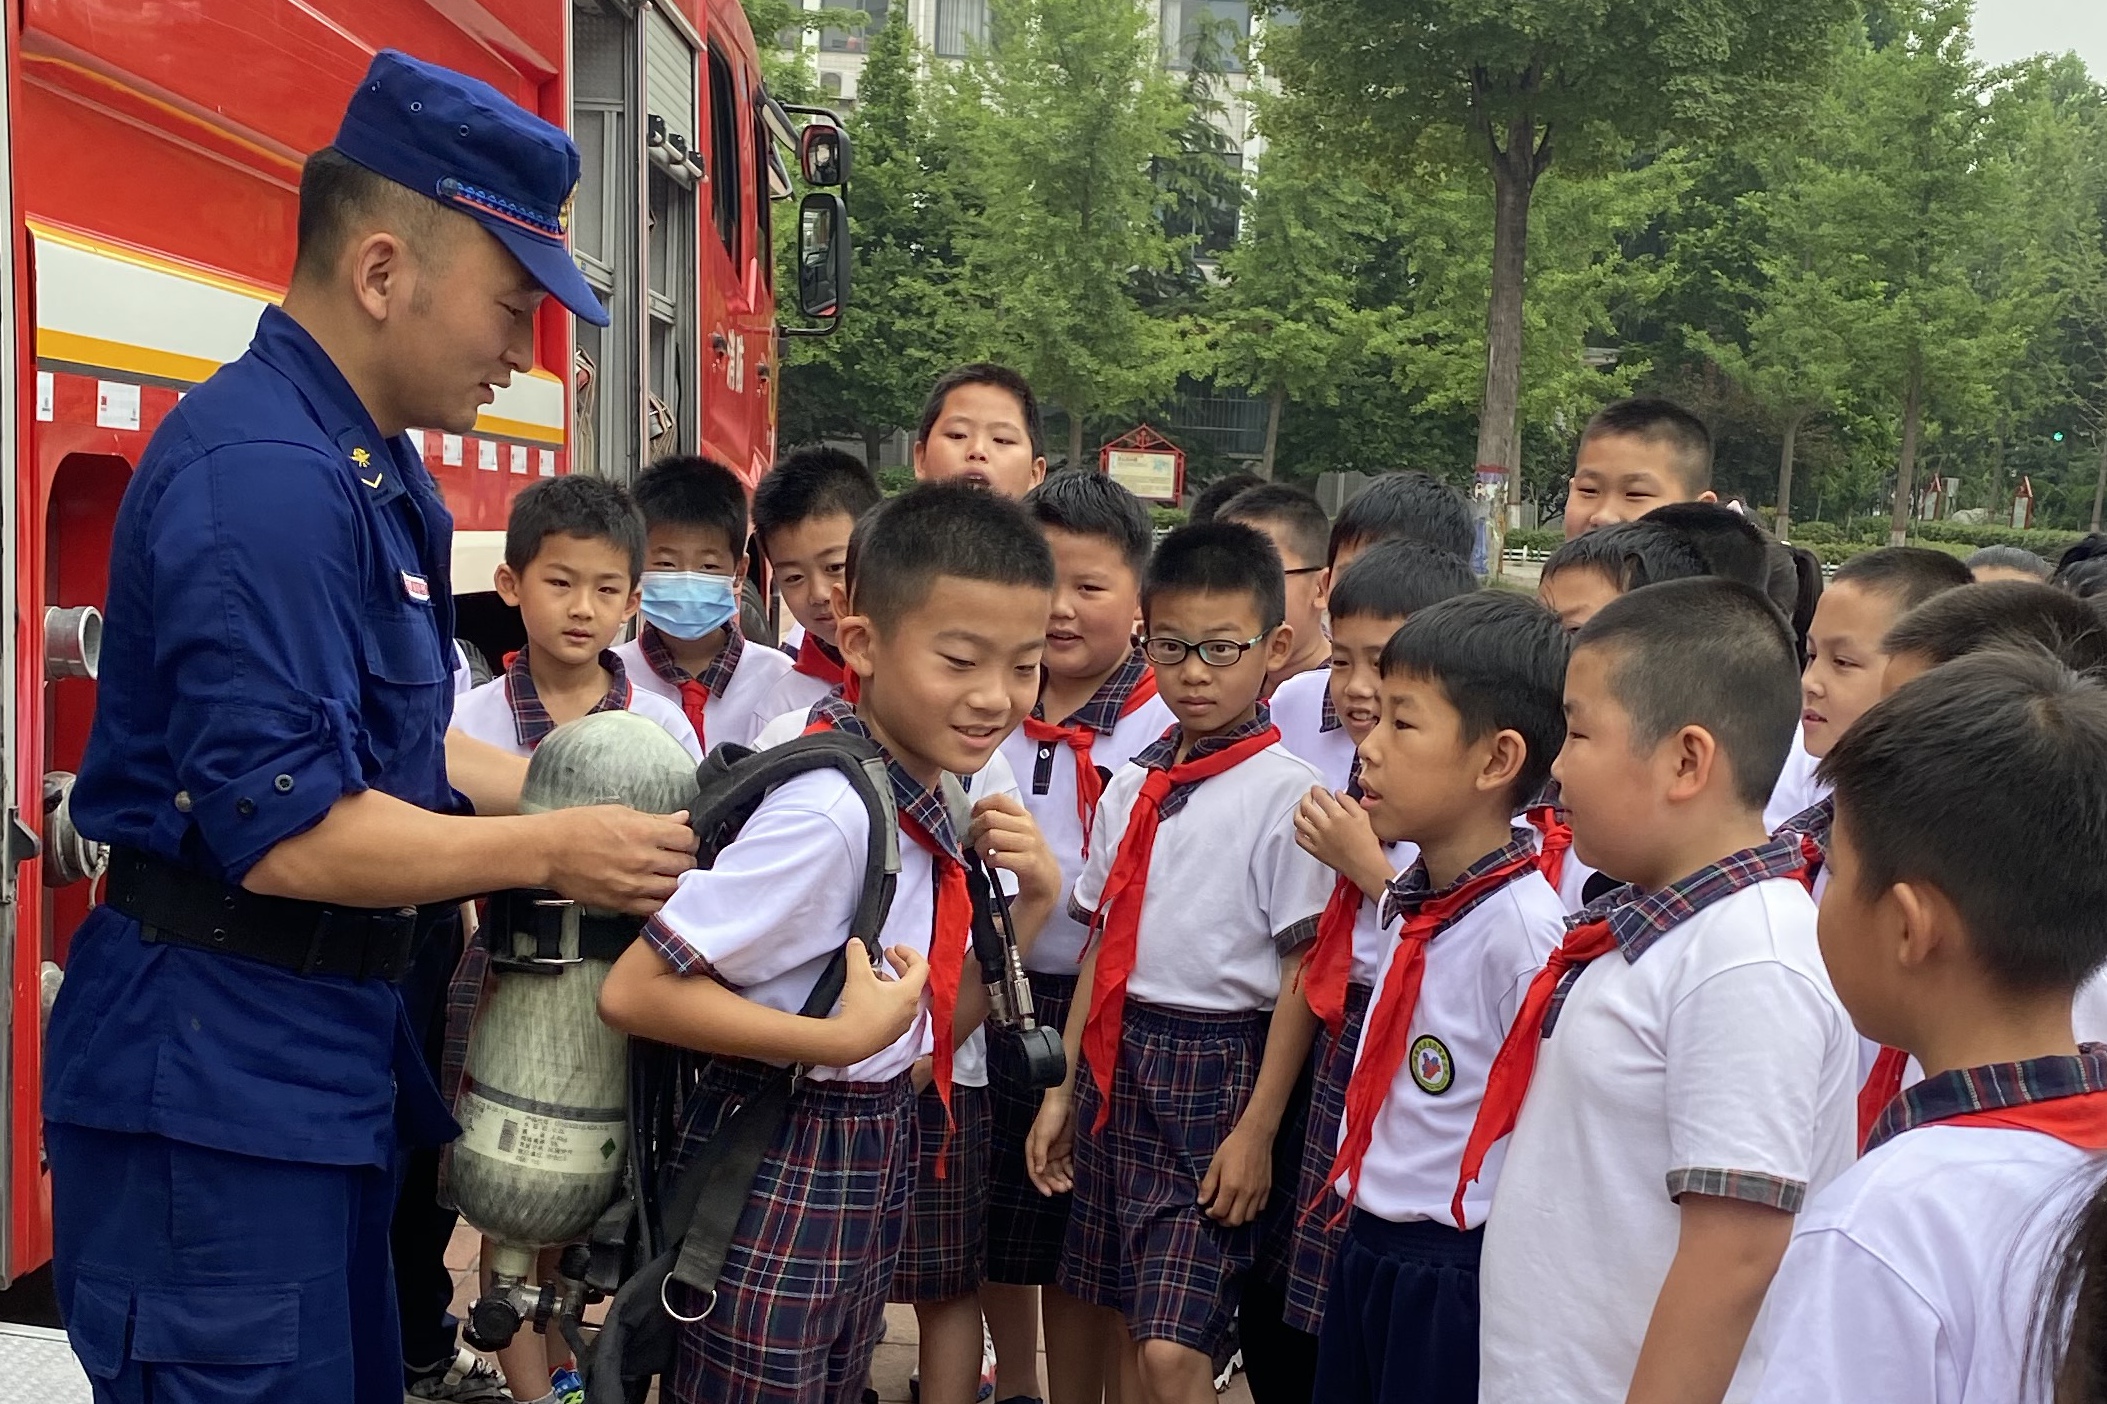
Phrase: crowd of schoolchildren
(1661, 988)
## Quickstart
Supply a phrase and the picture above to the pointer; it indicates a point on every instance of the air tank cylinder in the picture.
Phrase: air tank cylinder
(544, 1106)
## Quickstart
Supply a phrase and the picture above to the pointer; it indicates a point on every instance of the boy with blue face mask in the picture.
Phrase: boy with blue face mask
(689, 649)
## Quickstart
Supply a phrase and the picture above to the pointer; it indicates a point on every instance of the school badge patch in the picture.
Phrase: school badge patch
(1432, 1067)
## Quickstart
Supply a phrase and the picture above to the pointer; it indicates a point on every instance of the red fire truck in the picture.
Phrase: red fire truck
(153, 154)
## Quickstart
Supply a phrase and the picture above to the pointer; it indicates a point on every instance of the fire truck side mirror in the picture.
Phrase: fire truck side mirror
(822, 256)
(823, 155)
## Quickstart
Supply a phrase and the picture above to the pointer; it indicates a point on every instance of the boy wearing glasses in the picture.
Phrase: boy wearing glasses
(1181, 1053)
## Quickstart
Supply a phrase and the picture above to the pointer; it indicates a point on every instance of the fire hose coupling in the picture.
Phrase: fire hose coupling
(72, 642)
(497, 1316)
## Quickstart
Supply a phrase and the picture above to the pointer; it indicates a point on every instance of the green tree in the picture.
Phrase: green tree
(1053, 126)
(868, 378)
(1504, 88)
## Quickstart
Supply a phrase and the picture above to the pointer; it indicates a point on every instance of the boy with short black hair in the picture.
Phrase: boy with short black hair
(690, 650)
(1589, 571)
(2004, 614)
(2001, 563)
(1470, 699)
(1299, 530)
(1409, 505)
(574, 550)
(1182, 1051)
(1215, 496)
(804, 511)
(945, 623)
(980, 426)
(1322, 716)
(1097, 709)
(1635, 455)
(1915, 1275)
(1693, 1072)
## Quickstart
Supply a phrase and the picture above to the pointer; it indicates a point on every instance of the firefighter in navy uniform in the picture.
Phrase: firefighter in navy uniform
(230, 1077)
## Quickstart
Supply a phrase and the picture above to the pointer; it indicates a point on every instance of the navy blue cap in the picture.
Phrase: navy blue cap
(471, 148)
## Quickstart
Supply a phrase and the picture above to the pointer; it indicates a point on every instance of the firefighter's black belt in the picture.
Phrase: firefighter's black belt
(177, 906)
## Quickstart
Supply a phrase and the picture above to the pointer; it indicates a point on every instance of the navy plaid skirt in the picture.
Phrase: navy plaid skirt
(1313, 1241)
(1138, 1240)
(948, 1217)
(801, 1302)
(1025, 1227)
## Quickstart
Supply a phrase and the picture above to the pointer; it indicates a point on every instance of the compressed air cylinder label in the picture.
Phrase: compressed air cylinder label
(579, 1144)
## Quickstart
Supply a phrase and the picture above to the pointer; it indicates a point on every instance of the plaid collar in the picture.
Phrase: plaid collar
(531, 721)
(1639, 919)
(925, 807)
(1815, 821)
(1328, 715)
(1161, 753)
(1408, 891)
(1547, 796)
(716, 674)
(1991, 1088)
(1105, 707)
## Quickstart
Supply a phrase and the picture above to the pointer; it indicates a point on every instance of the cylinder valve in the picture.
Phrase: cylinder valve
(72, 642)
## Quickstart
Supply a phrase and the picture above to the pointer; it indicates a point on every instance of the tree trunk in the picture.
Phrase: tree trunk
(1275, 402)
(2099, 484)
(1906, 465)
(1075, 439)
(1792, 434)
(873, 437)
(1514, 172)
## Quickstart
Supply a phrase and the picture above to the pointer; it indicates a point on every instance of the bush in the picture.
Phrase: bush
(1813, 534)
(1166, 518)
(2044, 543)
(1535, 539)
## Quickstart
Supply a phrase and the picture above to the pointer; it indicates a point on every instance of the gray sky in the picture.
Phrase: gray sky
(2011, 29)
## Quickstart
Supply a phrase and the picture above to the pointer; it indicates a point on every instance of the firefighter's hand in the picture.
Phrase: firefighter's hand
(608, 855)
(876, 1013)
(1238, 1178)
(1335, 831)
(1005, 834)
(1049, 1151)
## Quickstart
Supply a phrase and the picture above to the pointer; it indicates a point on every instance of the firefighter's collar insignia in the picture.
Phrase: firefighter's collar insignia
(363, 460)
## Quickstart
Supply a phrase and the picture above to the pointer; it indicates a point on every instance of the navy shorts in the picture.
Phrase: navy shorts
(948, 1217)
(1402, 1322)
(1025, 1227)
(801, 1300)
(1316, 1226)
(1138, 1241)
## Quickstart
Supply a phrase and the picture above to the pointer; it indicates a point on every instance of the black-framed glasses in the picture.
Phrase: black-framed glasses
(1215, 653)
(1302, 570)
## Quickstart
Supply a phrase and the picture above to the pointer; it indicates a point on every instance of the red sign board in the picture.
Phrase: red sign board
(1146, 464)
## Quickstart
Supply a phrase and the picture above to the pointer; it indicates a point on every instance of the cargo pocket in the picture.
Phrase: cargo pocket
(98, 1320)
(110, 1323)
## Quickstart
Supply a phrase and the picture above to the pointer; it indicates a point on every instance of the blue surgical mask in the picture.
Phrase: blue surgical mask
(688, 604)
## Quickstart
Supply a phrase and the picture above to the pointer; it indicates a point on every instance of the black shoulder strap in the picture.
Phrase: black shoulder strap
(733, 780)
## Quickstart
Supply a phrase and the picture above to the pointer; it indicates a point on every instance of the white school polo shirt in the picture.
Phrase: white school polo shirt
(1719, 1060)
(1475, 975)
(1051, 764)
(485, 712)
(1797, 789)
(734, 716)
(969, 1062)
(1913, 1278)
(791, 691)
(1371, 937)
(1228, 889)
(1299, 709)
(1573, 876)
(2088, 1010)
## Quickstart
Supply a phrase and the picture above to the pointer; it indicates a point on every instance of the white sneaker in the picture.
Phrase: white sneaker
(470, 1379)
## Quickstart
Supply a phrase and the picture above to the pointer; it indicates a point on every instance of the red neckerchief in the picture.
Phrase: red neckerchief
(1883, 1085)
(1558, 840)
(1508, 1082)
(1078, 737)
(1119, 908)
(1328, 968)
(2079, 1121)
(817, 659)
(695, 689)
(1390, 1019)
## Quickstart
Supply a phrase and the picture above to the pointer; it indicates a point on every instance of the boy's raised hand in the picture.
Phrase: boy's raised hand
(1005, 834)
(1049, 1151)
(1336, 832)
(876, 1013)
(1239, 1177)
